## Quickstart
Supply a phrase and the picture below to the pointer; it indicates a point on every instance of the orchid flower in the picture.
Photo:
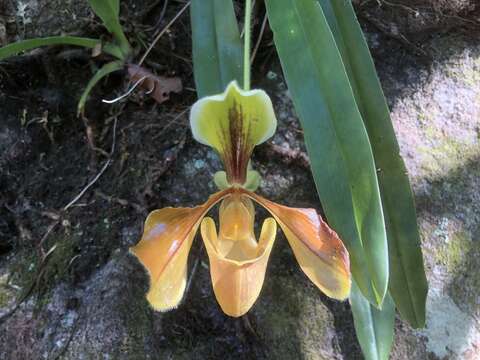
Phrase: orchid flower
(233, 123)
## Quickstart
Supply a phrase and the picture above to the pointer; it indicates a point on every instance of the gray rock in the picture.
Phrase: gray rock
(437, 123)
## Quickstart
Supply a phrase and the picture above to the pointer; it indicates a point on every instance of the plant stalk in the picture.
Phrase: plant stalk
(246, 47)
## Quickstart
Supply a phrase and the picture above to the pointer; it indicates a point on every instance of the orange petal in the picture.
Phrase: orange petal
(317, 248)
(163, 250)
(237, 262)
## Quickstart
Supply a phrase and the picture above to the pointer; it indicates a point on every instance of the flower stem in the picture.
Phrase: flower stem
(246, 47)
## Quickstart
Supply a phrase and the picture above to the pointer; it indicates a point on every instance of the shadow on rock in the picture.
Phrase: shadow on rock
(449, 214)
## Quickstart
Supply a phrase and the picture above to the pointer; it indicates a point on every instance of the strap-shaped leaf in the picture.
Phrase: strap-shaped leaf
(335, 136)
(374, 327)
(217, 48)
(99, 75)
(109, 11)
(408, 284)
(17, 47)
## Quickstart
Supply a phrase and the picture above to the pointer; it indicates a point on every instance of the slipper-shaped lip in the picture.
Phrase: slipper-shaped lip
(237, 263)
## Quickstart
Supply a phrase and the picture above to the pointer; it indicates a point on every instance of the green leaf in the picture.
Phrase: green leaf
(108, 11)
(408, 284)
(217, 48)
(114, 50)
(374, 327)
(100, 74)
(17, 47)
(337, 142)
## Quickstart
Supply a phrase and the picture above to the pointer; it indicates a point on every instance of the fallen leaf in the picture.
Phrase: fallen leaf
(158, 87)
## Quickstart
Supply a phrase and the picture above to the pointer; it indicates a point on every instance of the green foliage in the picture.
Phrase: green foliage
(335, 136)
(408, 283)
(374, 327)
(217, 48)
(114, 50)
(109, 11)
(100, 74)
(18, 47)
(331, 36)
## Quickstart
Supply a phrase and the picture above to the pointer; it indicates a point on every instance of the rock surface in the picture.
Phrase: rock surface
(90, 304)
(438, 123)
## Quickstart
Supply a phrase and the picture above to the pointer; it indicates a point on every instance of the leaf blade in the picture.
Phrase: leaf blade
(374, 327)
(109, 11)
(216, 46)
(99, 75)
(408, 283)
(341, 157)
(17, 47)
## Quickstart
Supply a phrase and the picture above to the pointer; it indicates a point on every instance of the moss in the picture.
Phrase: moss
(471, 75)
(293, 321)
(453, 254)
(138, 322)
(57, 266)
(26, 266)
(445, 155)
(461, 257)
(5, 297)
(54, 270)
(23, 268)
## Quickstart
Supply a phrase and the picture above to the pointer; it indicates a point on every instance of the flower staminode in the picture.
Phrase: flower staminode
(233, 123)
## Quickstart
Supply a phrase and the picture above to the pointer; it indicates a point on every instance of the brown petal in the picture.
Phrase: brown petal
(317, 248)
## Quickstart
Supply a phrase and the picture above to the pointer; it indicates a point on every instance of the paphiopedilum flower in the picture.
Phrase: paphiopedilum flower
(233, 123)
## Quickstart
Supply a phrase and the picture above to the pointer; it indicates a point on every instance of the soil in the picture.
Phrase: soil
(86, 298)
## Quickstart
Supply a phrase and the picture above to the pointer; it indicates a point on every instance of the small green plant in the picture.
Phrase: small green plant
(118, 47)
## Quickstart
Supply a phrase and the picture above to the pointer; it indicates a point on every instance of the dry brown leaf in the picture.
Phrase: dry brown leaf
(158, 87)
